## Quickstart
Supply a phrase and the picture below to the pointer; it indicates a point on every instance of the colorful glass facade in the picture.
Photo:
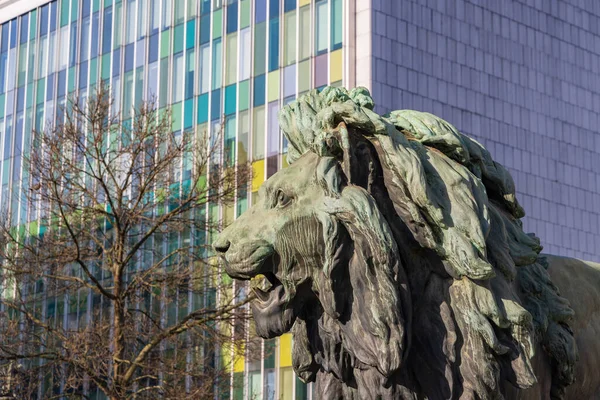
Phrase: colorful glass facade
(212, 62)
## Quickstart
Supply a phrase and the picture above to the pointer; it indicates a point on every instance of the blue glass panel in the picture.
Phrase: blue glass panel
(129, 57)
(62, 83)
(116, 62)
(83, 74)
(107, 30)
(153, 49)
(289, 5)
(4, 43)
(85, 7)
(260, 11)
(273, 8)
(44, 25)
(3, 60)
(50, 87)
(203, 108)
(205, 7)
(53, 16)
(190, 34)
(188, 113)
(13, 33)
(20, 98)
(72, 47)
(95, 35)
(273, 44)
(24, 28)
(204, 29)
(259, 90)
(230, 99)
(215, 104)
(232, 17)
(7, 140)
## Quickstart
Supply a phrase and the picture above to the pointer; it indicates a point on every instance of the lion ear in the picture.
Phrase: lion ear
(353, 152)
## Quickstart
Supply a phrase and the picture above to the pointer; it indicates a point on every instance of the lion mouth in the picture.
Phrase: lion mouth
(265, 285)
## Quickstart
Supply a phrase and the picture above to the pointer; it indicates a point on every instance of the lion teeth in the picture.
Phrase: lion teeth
(261, 283)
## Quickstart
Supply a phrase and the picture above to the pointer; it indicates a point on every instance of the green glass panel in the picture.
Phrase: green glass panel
(41, 86)
(29, 95)
(188, 114)
(176, 115)
(165, 43)
(270, 349)
(95, 5)
(238, 386)
(64, 12)
(105, 74)
(2, 97)
(190, 34)
(244, 95)
(218, 24)
(260, 36)
(33, 24)
(74, 10)
(178, 43)
(107, 3)
(336, 24)
(202, 108)
(93, 70)
(301, 390)
(71, 86)
(245, 13)
(230, 99)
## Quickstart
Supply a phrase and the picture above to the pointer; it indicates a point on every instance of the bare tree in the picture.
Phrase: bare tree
(111, 286)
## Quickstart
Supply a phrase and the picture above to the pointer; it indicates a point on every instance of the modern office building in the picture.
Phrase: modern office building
(520, 76)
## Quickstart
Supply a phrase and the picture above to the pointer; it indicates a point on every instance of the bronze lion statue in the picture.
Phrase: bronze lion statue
(392, 248)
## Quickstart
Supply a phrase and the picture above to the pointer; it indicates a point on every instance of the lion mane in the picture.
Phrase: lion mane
(440, 292)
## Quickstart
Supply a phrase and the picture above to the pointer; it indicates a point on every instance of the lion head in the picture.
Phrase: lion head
(392, 248)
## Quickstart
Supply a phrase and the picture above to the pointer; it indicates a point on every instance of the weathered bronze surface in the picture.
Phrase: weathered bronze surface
(392, 248)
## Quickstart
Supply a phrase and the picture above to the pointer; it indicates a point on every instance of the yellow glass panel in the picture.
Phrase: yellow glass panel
(227, 214)
(284, 161)
(303, 76)
(240, 361)
(304, 2)
(285, 350)
(273, 78)
(231, 53)
(286, 385)
(335, 66)
(258, 174)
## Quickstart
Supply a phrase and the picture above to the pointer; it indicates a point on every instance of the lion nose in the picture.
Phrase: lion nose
(221, 246)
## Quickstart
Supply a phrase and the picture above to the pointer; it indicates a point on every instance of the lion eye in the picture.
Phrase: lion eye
(282, 199)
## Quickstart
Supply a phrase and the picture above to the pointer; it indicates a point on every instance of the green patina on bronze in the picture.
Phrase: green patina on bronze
(392, 248)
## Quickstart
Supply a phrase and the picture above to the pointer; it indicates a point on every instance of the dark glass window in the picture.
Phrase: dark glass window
(95, 38)
(259, 90)
(289, 5)
(107, 30)
(24, 27)
(215, 103)
(232, 17)
(53, 16)
(204, 29)
(44, 20)
(260, 11)
(73, 45)
(153, 50)
(129, 57)
(116, 66)
(273, 8)
(4, 43)
(273, 44)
